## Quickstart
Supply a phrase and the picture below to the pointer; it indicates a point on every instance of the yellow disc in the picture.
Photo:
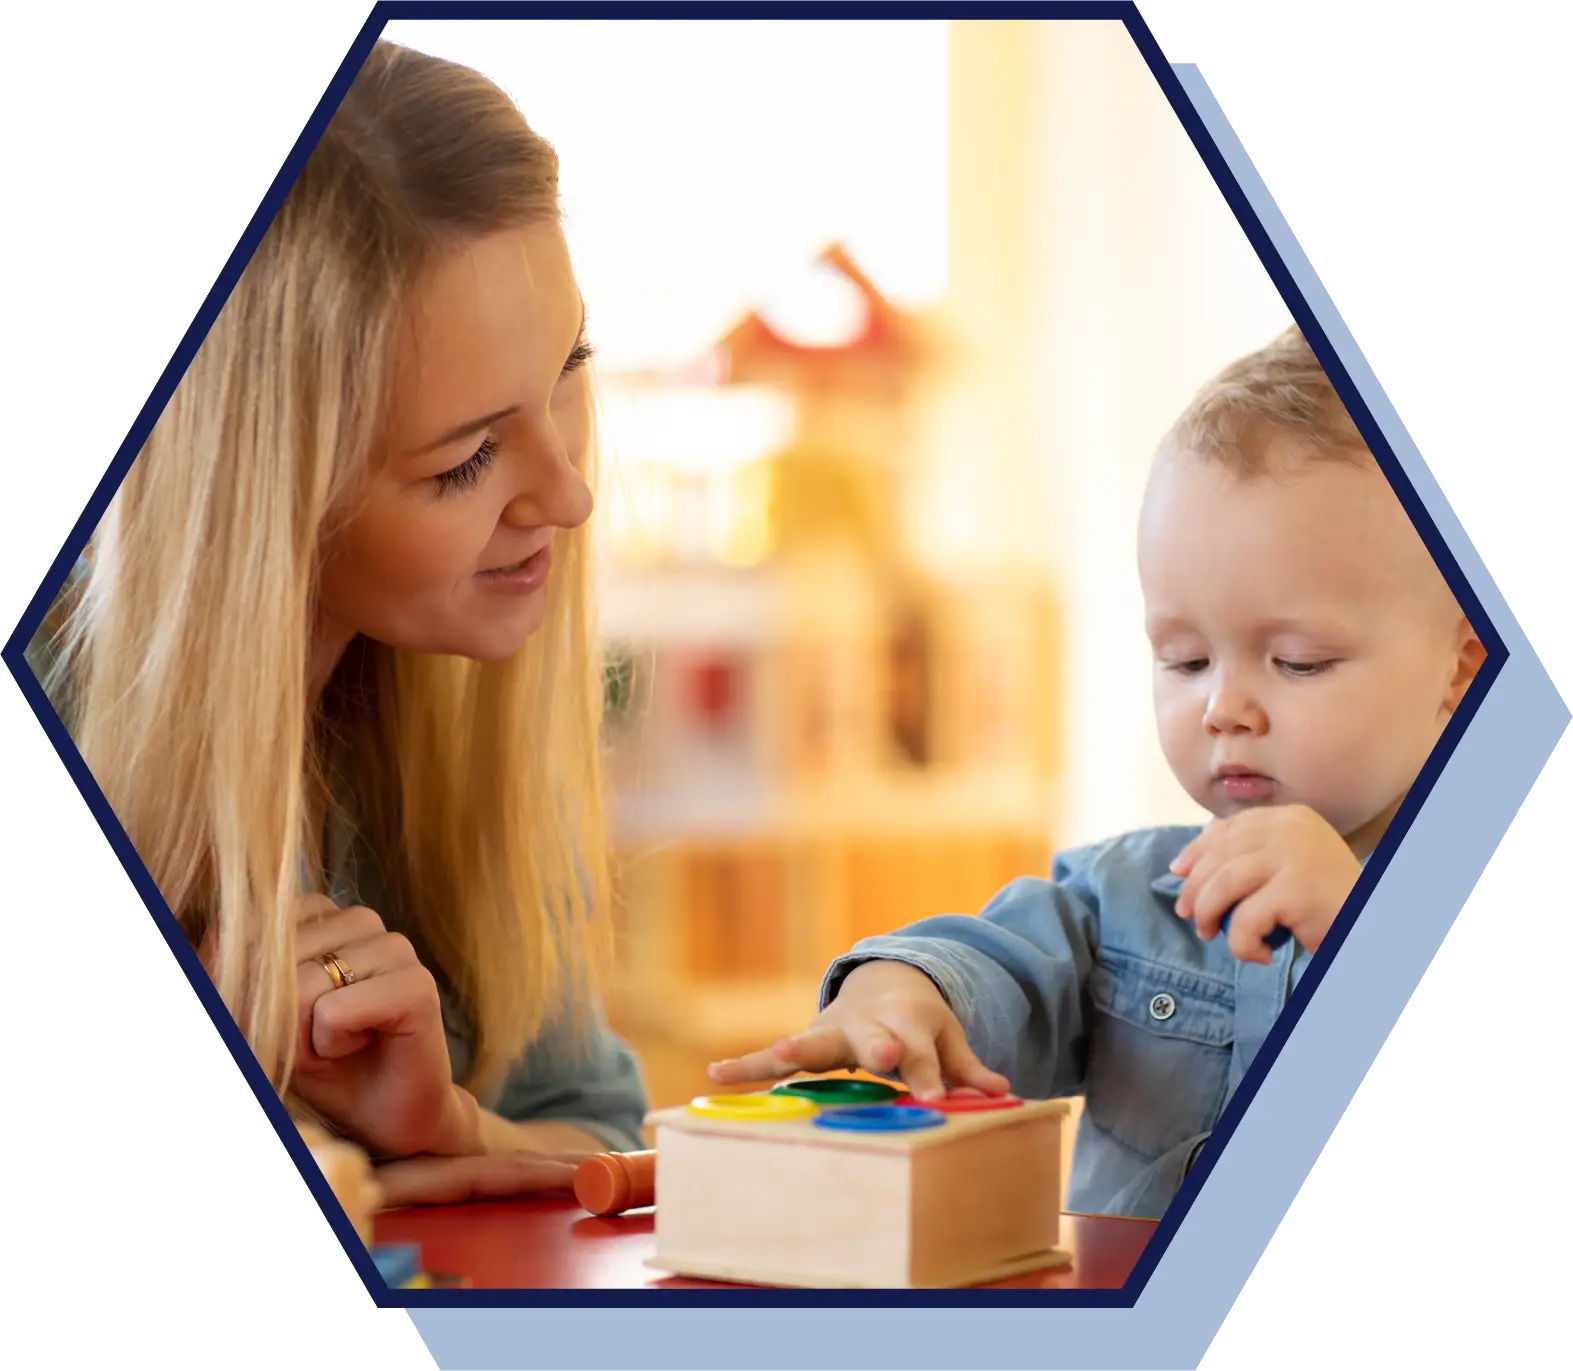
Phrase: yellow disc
(761, 1108)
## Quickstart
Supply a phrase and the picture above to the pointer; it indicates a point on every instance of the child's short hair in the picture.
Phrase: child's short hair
(1280, 388)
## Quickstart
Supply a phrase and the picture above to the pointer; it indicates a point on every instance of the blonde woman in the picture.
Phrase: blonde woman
(331, 656)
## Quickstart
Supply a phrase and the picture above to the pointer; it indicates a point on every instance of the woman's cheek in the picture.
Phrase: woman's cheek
(425, 548)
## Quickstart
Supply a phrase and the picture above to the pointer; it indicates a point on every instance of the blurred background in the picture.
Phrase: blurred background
(889, 319)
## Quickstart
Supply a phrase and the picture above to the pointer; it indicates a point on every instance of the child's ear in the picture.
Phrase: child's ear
(1469, 658)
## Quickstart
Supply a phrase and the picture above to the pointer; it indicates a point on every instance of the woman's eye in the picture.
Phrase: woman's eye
(467, 475)
(581, 354)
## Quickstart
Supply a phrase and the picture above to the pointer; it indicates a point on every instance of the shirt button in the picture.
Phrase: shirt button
(1162, 1007)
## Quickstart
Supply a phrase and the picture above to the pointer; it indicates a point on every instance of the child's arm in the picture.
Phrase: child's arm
(995, 1002)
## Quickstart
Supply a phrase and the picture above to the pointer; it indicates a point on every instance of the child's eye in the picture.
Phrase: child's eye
(1303, 669)
(467, 475)
(1192, 666)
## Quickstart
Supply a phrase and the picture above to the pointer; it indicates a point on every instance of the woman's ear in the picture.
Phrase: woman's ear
(1469, 657)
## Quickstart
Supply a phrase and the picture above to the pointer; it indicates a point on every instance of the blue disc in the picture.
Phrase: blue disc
(1276, 939)
(879, 1118)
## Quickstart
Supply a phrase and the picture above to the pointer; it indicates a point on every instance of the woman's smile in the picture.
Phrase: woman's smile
(519, 578)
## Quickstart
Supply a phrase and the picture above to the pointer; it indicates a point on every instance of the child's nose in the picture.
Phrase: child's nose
(1231, 710)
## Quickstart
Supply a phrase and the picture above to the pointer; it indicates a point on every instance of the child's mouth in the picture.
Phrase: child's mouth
(1244, 786)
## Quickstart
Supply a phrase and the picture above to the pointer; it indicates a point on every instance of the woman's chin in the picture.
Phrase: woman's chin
(472, 647)
(499, 646)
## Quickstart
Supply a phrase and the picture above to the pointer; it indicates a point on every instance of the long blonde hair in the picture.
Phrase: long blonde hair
(189, 648)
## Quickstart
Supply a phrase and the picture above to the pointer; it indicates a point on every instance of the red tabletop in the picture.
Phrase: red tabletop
(554, 1244)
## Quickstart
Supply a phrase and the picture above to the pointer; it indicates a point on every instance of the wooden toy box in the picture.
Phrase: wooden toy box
(789, 1202)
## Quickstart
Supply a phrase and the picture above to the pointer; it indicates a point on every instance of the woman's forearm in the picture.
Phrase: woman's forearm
(538, 1135)
(480, 1131)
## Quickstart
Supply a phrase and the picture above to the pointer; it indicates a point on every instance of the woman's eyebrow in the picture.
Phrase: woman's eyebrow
(464, 430)
(470, 426)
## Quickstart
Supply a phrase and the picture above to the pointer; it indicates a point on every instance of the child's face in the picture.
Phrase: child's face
(1306, 649)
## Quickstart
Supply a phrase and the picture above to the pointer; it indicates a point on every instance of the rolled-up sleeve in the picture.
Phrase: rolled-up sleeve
(1014, 975)
(595, 1086)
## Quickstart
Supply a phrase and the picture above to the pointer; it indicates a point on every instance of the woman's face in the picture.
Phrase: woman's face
(448, 547)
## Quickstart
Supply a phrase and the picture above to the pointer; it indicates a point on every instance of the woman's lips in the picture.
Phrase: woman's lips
(522, 578)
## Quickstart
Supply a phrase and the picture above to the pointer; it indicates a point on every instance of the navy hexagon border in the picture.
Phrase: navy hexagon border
(473, 1327)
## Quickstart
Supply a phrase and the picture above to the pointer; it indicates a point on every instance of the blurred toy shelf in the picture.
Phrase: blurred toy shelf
(870, 806)
(727, 1020)
(725, 910)
(813, 735)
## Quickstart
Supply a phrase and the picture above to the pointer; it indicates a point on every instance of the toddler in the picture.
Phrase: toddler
(1307, 655)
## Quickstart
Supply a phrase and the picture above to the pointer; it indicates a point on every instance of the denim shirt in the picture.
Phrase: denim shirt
(1090, 984)
(595, 1085)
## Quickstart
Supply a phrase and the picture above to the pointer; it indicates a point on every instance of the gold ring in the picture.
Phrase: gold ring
(340, 973)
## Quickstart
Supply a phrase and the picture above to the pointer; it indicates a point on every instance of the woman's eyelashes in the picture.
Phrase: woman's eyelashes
(467, 475)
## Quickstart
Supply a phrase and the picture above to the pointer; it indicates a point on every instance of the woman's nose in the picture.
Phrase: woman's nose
(554, 494)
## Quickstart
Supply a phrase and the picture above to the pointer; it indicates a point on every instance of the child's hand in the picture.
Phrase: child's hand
(888, 1018)
(1280, 864)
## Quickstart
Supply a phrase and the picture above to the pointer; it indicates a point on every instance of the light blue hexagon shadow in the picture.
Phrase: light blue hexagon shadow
(1517, 718)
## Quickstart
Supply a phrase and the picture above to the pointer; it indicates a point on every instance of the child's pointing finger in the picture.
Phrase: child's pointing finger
(815, 1049)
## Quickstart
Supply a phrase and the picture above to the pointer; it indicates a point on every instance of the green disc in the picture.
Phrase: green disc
(835, 1091)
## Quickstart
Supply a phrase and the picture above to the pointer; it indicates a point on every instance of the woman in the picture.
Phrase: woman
(331, 655)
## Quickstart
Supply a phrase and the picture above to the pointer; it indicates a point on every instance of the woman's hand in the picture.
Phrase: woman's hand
(372, 1055)
(453, 1180)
